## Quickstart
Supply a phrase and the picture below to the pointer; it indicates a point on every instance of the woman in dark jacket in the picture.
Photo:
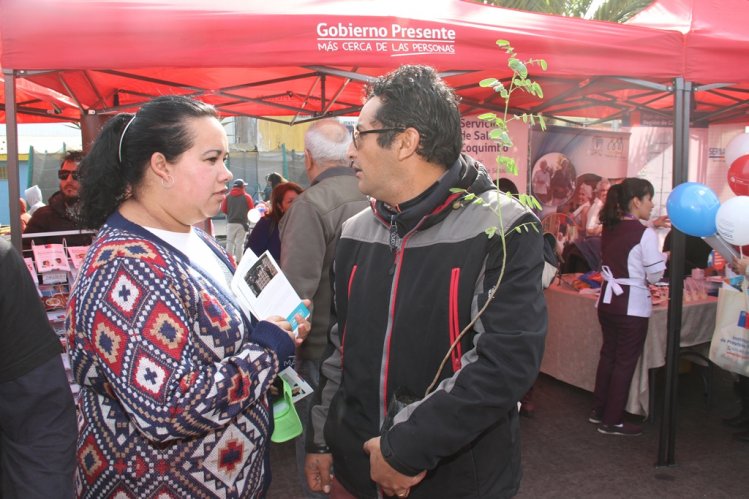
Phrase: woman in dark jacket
(265, 234)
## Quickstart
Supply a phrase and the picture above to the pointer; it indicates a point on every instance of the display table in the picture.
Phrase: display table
(573, 343)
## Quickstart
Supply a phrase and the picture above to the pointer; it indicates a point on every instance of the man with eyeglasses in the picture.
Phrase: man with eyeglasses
(62, 207)
(419, 388)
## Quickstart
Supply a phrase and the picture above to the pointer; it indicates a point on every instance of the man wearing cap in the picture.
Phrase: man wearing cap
(309, 233)
(236, 205)
(60, 214)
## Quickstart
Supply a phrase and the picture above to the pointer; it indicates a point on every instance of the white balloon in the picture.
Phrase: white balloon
(732, 220)
(254, 215)
(737, 147)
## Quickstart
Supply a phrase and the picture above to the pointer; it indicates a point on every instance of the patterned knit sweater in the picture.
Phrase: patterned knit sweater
(173, 377)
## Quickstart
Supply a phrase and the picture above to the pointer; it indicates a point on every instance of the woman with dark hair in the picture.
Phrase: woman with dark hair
(265, 235)
(271, 181)
(630, 259)
(174, 377)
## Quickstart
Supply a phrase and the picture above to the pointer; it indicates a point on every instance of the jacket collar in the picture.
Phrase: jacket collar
(333, 172)
(62, 207)
(433, 204)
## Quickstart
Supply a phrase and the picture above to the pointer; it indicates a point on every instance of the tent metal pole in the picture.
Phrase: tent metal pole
(666, 441)
(13, 176)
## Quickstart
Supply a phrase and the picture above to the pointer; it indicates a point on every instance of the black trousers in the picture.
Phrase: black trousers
(38, 433)
(623, 339)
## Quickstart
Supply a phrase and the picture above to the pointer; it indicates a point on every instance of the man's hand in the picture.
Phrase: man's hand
(318, 468)
(392, 482)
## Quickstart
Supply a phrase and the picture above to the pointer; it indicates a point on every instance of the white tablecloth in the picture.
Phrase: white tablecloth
(573, 343)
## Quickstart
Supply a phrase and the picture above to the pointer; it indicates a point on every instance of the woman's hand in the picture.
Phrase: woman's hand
(303, 328)
(662, 222)
(740, 265)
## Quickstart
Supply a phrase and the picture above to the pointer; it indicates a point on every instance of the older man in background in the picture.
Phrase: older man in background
(309, 233)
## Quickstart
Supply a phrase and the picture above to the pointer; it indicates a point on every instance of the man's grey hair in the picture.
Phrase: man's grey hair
(327, 141)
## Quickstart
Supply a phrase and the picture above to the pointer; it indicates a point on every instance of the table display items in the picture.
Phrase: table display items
(53, 268)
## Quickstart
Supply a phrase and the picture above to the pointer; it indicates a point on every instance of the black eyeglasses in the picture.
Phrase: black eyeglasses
(64, 174)
(356, 134)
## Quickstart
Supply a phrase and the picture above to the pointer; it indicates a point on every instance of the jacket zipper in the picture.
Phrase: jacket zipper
(348, 297)
(454, 323)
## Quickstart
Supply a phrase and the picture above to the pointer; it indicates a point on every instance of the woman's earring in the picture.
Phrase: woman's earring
(169, 183)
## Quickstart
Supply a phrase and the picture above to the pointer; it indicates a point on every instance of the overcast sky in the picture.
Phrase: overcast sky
(43, 137)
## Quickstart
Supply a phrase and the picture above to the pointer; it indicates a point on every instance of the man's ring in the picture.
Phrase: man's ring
(403, 494)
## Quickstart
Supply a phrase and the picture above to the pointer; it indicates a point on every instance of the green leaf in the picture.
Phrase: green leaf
(537, 90)
(490, 231)
(518, 67)
(456, 190)
(488, 82)
(517, 229)
(535, 202)
(507, 164)
(469, 196)
(487, 116)
(503, 43)
(542, 121)
(542, 63)
(500, 136)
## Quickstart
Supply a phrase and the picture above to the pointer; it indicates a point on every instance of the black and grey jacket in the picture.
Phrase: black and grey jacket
(407, 283)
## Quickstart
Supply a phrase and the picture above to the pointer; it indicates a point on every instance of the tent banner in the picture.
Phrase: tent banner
(478, 145)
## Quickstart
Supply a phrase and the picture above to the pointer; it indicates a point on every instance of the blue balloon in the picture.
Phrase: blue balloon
(692, 208)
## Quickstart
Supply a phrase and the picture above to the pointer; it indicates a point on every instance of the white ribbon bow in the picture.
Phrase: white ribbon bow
(615, 285)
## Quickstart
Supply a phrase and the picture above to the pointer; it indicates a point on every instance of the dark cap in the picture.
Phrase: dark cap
(239, 183)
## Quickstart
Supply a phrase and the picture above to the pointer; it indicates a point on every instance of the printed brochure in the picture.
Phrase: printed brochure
(263, 290)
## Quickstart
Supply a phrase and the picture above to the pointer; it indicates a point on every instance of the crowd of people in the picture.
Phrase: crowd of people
(442, 317)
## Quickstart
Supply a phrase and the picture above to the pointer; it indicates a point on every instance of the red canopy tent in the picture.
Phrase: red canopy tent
(714, 56)
(301, 57)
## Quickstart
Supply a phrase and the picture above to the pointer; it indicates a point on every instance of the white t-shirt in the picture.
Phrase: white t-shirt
(198, 252)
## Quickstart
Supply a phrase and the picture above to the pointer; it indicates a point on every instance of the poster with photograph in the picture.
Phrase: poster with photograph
(572, 170)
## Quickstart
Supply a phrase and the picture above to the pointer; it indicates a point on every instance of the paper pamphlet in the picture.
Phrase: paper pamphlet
(30, 265)
(299, 387)
(77, 254)
(263, 290)
(50, 257)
